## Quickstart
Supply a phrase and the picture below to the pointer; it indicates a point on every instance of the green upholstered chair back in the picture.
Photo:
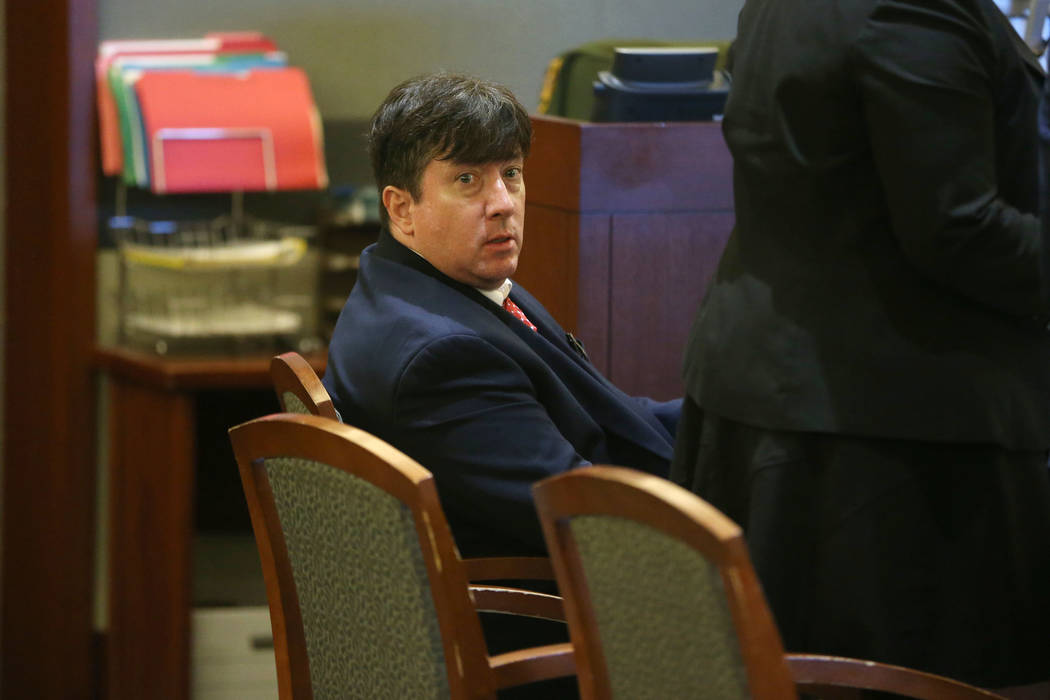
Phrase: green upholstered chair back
(663, 602)
(368, 615)
(663, 619)
(659, 592)
(568, 85)
(368, 596)
(292, 403)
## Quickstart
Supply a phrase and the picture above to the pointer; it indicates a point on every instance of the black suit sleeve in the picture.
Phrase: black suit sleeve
(927, 71)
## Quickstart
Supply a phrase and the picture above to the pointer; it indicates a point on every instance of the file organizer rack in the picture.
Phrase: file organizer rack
(225, 286)
(224, 113)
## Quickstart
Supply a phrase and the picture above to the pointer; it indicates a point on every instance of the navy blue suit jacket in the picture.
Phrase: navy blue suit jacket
(488, 405)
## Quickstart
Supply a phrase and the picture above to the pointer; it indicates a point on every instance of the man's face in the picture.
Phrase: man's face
(468, 221)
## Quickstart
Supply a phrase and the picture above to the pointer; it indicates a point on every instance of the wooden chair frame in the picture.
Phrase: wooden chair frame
(659, 504)
(471, 672)
(291, 373)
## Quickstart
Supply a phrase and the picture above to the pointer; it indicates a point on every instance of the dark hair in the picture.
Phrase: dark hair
(444, 116)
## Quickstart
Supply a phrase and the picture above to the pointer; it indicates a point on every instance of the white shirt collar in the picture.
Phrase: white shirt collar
(500, 293)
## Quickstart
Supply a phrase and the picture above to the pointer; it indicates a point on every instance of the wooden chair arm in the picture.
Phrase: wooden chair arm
(533, 664)
(517, 601)
(508, 568)
(829, 676)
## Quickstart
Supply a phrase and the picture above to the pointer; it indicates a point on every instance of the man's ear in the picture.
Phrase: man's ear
(398, 203)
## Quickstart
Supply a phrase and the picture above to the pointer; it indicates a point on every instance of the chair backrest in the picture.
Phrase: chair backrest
(298, 387)
(368, 597)
(659, 591)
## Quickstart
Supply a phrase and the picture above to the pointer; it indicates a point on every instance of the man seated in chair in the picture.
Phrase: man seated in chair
(440, 354)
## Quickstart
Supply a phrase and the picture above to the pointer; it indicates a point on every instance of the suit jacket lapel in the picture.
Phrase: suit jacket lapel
(611, 407)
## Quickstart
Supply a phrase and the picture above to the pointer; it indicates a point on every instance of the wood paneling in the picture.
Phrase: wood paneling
(550, 260)
(661, 266)
(150, 541)
(628, 223)
(565, 264)
(595, 316)
(590, 167)
(49, 399)
(153, 426)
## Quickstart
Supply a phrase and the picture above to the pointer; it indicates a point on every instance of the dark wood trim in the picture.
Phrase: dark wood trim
(151, 506)
(151, 509)
(49, 397)
(628, 167)
(193, 373)
(625, 224)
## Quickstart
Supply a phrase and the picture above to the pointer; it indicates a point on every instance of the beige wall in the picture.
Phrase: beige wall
(354, 52)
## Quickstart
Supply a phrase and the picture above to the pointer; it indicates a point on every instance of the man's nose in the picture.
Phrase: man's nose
(499, 203)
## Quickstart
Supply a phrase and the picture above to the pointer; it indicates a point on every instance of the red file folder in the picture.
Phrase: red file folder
(210, 132)
(108, 120)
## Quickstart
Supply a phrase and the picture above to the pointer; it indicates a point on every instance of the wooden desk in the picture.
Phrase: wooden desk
(151, 510)
(624, 226)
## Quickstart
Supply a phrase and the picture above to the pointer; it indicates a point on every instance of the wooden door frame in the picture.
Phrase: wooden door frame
(49, 492)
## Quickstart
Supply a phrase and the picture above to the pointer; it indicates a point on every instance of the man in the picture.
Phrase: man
(868, 378)
(490, 396)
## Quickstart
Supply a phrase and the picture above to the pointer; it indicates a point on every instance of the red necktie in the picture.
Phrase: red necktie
(517, 313)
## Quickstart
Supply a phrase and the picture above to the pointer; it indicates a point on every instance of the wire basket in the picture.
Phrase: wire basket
(218, 286)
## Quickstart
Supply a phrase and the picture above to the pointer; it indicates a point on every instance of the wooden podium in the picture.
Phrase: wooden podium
(624, 227)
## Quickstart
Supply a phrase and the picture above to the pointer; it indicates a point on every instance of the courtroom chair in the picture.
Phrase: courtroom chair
(368, 596)
(663, 602)
(568, 83)
(298, 388)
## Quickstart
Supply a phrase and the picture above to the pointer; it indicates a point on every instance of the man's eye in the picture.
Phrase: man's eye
(465, 178)
(512, 172)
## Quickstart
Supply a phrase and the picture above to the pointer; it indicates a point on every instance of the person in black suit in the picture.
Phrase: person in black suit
(868, 377)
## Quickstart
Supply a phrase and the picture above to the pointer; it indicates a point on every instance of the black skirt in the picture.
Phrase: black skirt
(933, 556)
